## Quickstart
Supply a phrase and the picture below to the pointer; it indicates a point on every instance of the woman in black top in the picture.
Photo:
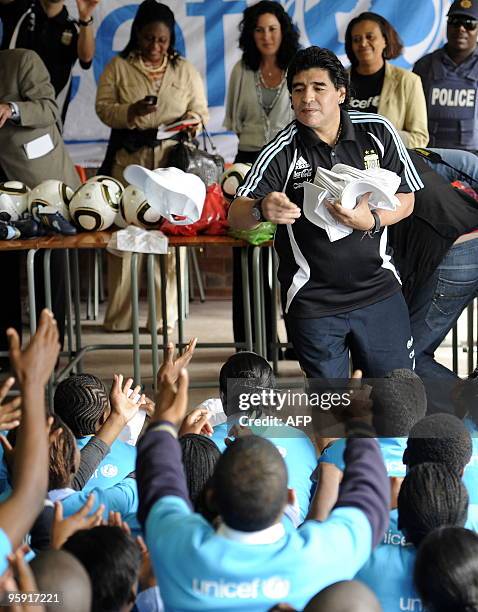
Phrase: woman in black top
(379, 87)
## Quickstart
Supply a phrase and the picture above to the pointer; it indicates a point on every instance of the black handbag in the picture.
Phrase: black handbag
(187, 156)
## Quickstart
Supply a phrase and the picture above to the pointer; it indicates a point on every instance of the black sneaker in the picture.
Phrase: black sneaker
(28, 228)
(8, 232)
(54, 220)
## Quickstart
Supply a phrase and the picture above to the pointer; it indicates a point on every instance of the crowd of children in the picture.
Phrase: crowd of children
(115, 502)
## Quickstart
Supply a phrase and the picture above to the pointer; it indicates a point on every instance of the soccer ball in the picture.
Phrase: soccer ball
(50, 193)
(233, 178)
(93, 207)
(115, 188)
(13, 200)
(119, 219)
(136, 210)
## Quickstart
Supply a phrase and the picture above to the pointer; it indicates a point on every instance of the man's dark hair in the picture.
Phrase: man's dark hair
(244, 372)
(200, 456)
(446, 570)
(59, 571)
(81, 400)
(431, 496)
(394, 46)
(151, 11)
(399, 401)
(318, 57)
(111, 557)
(439, 438)
(251, 57)
(250, 484)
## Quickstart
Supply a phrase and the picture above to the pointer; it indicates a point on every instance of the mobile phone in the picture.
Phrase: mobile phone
(153, 100)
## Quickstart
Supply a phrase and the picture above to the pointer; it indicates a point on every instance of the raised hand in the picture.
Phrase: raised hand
(86, 8)
(172, 365)
(10, 412)
(62, 528)
(125, 401)
(172, 399)
(148, 406)
(25, 581)
(196, 422)
(115, 520)
(37, 361)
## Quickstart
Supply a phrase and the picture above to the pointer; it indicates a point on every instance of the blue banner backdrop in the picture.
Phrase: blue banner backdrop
(207, 33)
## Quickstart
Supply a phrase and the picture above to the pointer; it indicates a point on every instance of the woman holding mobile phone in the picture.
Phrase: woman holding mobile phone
(148, 84)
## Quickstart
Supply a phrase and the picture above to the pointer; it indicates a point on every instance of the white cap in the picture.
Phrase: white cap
(170, 191)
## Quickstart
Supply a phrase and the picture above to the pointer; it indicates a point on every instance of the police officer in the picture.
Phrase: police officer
(450, 77)
(45, 26)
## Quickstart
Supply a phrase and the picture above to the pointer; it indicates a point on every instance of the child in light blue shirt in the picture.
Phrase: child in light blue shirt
(242, 375)
(430, 496)
(84, 404)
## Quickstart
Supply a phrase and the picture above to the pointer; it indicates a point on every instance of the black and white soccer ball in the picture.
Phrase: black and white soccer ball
(52, 193)
(13, 200)
(136, 210)
(95, 205)
(233, 178)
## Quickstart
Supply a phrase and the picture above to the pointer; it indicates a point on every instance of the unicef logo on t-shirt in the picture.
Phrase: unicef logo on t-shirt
(323, 23)
(109, 470)
(275, 587)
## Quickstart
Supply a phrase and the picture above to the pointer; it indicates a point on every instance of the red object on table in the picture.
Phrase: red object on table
(213, 221)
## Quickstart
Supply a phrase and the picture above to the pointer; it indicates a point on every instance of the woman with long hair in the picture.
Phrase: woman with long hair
(380, 87)
(258, 107)
(258, 103)
(148, 84)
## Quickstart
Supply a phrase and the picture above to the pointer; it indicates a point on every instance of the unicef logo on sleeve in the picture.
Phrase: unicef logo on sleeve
(275, 588)
(323, 23)
(109, 470)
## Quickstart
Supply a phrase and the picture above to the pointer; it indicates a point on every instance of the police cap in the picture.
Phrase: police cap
(464, 7)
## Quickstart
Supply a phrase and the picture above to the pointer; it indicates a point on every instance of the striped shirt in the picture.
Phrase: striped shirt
(318, 277)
